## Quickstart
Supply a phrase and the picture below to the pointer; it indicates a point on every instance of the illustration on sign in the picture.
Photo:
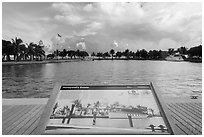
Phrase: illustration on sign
(111, 110)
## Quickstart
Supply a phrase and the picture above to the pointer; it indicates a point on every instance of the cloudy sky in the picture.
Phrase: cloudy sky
(103, 26)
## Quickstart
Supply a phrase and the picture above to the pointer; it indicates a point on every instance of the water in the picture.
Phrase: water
(38, 80)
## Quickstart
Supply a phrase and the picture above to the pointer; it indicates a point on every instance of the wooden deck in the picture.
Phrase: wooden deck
(21, 116)
(186, 115)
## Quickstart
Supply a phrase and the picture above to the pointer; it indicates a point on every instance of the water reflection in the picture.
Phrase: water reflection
(37, 80)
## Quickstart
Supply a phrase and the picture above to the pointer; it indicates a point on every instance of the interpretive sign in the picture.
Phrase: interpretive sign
(112, 109)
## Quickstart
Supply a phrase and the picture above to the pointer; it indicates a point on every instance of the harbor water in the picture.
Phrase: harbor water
(177, 79)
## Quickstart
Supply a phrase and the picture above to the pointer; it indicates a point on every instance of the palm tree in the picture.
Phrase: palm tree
(144, 54)
(64, 53)
(106, 54)
(56, 53)
(112, 52)
(183, 50)
(137, 54)
(78, 104)
(83, 54)
(93, 54)
(78, 53)
(126, 53)
(171, 51)
(86, 109)
(7, 49)
(71, 53)
(97, 104)
(99, 54)
(23, 51)
(31, 51)
(118, 54)
(16, 43)
(39, 52)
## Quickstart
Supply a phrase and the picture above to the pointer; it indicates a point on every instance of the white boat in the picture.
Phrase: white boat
(176, 57)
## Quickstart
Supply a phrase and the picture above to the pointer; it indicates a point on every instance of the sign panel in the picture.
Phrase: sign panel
(105, 110)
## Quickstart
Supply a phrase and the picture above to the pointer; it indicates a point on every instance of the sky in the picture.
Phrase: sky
(99, 27)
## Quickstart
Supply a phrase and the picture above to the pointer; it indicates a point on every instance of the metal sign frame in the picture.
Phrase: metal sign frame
(44, 119)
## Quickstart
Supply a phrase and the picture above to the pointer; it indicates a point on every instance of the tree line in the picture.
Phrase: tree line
(128, 54)
(70, 53)
(21, 51)
(152, 54)
(195, 52)
(33, 51)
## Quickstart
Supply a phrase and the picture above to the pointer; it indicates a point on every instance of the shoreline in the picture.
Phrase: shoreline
(76, 60)
(185, 60)
(39, 62)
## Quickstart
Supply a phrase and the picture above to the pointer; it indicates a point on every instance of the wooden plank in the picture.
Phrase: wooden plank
(199, 104)
(6, 108)
(10, 112)
(17, 121)
(20, 128)
(196, 123)
(186, 115)
(194, 111)
(181, 130)
(186, 122)
(12, 115)
(194, 108)
(189, 110)
(15, 115)
(48, 110)
(179, 123)
(28, 127)
(33, 127)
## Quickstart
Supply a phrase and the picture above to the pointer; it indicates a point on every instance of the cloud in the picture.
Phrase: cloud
(28, 29)
(110, 25)
(90, 29)
(68, 42)
(152, 23)
(68, 13)
(115, 43)
(81, 46)
(70, 19)
(64, 8)
(122, 13)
